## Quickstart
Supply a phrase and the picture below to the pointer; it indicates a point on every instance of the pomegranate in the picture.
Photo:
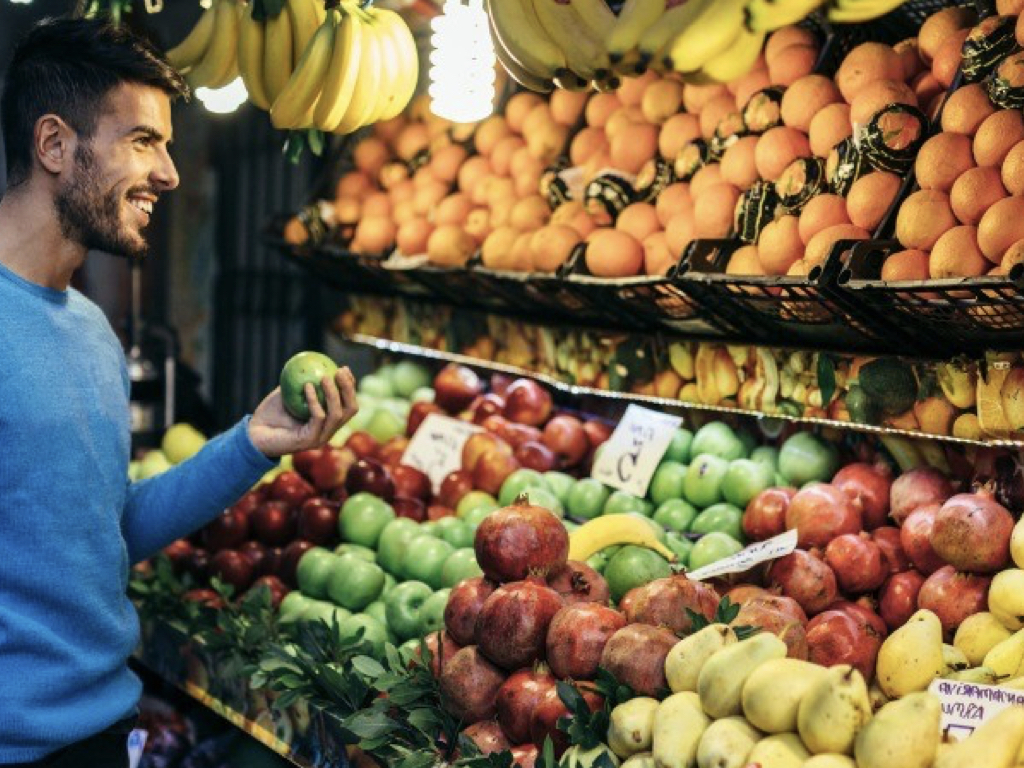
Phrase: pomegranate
(868, 487)
(628, 602)
(972, 533)
(916, 538)
(577, 636)
(579, 583)
(782, 616)
(519, 540)
(888, 540)
(487, 736)
(765, 515)
(804, 578)
(663, 603)
(513, 623)
(857, 561)
(517, 698)
(469, 685)
(463, 608)
(897, 601)
(835, 637)
(741, 593)
(545, 717)
(442, 647)
(821, 512)
(953, 596)
(635, 655)
(915, 489)
(863, 611)
(524, 756)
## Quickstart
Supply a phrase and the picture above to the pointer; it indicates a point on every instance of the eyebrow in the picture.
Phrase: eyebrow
(150, 131)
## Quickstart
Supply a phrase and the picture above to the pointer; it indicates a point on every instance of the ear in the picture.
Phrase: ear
(54, 143)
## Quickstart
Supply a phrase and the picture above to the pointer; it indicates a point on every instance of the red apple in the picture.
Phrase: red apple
(205, 597)
(273, 523)
(527, 402)
(597, 432)
(369, 476)
(272, 563)
(290, 488)
(406, 506)
(437, 511)
(257, 554)
(228, 530)
(565, 436)
(393, 450)
(418, 413)
(290, 560)
(363, 445)
(454, 486)
(178, 552)
(232, 567)
(500, 383)
(251, 499)
(330, 468)
(491, 471)
(480, 444)
(455, 387)
(536, 456)
(411, 482)
(302, 461)
(277, 588)
(337, 495)
(512, 433)
(486, 405)
(318, 522)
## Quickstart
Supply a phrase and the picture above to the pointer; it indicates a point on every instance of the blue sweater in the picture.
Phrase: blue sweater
(70, 522)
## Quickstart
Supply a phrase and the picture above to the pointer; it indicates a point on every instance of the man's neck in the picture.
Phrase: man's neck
(31, 242)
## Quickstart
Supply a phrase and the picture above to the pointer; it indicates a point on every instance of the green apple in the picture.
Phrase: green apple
(390, 582)
(703, 484)
(429, 528)
(398, 406)
(744, 479)
(724, 518)
(805, 458)
(458, 533)
(362, 417)
(372, 632)
(363, 517)
(675, 515)
(409, 376)
(659, 531)
(392, 542)
(679, 448)
(181, 442)
(711, 548)
(384, 425)
(598, 561)
(475, 500)
(301, 369)
(667, 482)
(632, 567)
(404, 606)
(363, 553)
(587, 499)
(324, 611)
(460, 565)
(355, 583)
(560, 484)
(681, 545)
(518, 482)
(314, 570)
(378, 611)
(569, 525)
(476, 516)
(717, 439)
(375, 385)
(767, 455)
(339, 438)
(425, 558)
(293, 606)
(620, 503)
(540, 496)
(422, 395)
(432, 612)
(748, 440)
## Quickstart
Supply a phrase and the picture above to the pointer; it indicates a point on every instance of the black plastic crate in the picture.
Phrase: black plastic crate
(462, 286)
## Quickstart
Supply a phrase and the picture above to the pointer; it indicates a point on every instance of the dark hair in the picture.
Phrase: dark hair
(67, 67)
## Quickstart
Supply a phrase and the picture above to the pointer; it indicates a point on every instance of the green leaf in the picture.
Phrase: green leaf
(315, 140)
(293, 146)
(418, 760)
(546, 758)
(826, 378)
(368, 667)
(697, 620)
(369, 724)
(726, 612)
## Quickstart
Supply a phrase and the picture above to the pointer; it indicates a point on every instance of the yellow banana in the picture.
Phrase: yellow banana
(250, 59)
(673, 21)
(189, 51)
(573, 82)
(584, 53)
(305, 21)
(516, 28)
(608, 85)
(596, 16)
(293, 108)
(609, 530)
(277, 54)
(390, 73)
(736, 60)
(343, 73)
(635, 18)
(854, 11)
(629, 65)
(409, 67)
(364, 98)
(769, 15)
(219, 65)
(710, 34)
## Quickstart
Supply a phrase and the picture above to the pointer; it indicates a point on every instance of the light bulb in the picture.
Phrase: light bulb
(223, 101)
(461, 63)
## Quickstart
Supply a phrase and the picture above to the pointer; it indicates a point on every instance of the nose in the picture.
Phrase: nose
(165, 175)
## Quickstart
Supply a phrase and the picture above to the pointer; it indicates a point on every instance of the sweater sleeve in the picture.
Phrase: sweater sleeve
(173, 504)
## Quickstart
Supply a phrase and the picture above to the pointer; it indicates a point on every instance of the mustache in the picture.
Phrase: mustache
(143, 190)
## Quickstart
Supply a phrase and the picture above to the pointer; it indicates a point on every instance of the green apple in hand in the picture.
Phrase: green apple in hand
(355, 583)
(403, 608)
(460, 565)
(392, 543)
(425, 558)
(314, 569)
(304, 368)
(363, 517)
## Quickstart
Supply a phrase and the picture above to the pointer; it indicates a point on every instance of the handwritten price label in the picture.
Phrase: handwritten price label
(762, 551)
(632, 454)
(436, 448)
(965, 706)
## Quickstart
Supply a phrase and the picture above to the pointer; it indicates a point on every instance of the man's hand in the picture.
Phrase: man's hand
(275, 432)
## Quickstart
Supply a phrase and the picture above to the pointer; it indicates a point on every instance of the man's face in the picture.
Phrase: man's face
(106, 199)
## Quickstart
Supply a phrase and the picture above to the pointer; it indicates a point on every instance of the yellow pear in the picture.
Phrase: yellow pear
(720, 683)
(1017, 544)
(1006, 598)
(688, 656)
(982, 675)
(783, 750)
(726, 743)
(877, 696)
(978, 634)
(833, 710)
(678, 727)
(903, 733)
(830, 761)
(772, 693)
(911, 657)
(630, 726)
(993, 745)
(1005, 658)
(639, 760)
(953, 659)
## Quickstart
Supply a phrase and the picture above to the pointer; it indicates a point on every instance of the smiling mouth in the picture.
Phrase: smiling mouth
(146, 206)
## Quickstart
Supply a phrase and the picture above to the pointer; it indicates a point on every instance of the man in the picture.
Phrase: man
(86, 117)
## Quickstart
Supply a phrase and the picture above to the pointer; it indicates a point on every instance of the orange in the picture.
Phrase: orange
(611, 253)
(501, 155)
(821, 245)
(942, 159)
(411, 139)
(658, 259)
(822, 212)
(472, 171)
(497, 247)
(830, 126)
(453, 209)
(518, 107)
(696, 97)
(600, 107)
(639, 220)
(353, 184)
(805, 98)
(996, 136)
(714, 111)
(739, 167)
(744, 261)
(792, 63)
(675, 132)
(905, 265)
(412, 236)
(713, 210)
(680, 231)
(446, 161)
(552, 245)
(750, 84)
(673, 198)
(938, 27)
(779, 245)
(661, 100)
(947, 59)
(923, 218)
(376, 234)
(966, 109)
(1000, 227)
(530, 213)
(567, 106)
(865, 64)
(926, 87)
(494, 128)
(782, 38)
(705, 178)
(872, 97)
(634, 146)
(370, 155)
(956, 254)
(1014, 255)
(777, 148)
(910, 55)
(870, 197)
(586, 144)
(974, 192)
(631, 92)
(1012, 171)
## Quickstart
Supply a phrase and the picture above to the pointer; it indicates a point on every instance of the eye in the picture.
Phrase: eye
(143, 141)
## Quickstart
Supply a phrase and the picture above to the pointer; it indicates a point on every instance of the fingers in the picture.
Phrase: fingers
(347, 383)
(317, 416)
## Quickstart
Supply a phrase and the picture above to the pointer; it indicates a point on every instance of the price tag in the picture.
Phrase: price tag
(631, 455)
(762, 551)
(965, 706)
(436, 448)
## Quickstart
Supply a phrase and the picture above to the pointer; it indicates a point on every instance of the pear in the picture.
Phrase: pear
(877, 696)
(1005, 658)
(982, 675)
(904, 733)
(678, 727)
(979, 634)
(830, 761)
(720, 683)
(630, 727)
(1006, 598)
(639, 760)
(1017, 544)
(995, 744)
(833, 710)
(911, 657)
(783, 750)
(773, 692)
(687, 657)
(953, 659)
(726, 743)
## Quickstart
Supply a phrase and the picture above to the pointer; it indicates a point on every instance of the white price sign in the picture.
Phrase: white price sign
(632, 454)
(965, 706)
(762, 551)
(436, 448)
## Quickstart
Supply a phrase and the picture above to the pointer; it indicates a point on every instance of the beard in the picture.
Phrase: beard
(92, 217)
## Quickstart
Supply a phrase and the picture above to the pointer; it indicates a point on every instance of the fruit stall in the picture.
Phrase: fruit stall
(693, 434)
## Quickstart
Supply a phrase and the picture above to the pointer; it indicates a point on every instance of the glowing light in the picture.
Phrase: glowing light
(461, 63)
(223, 101)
